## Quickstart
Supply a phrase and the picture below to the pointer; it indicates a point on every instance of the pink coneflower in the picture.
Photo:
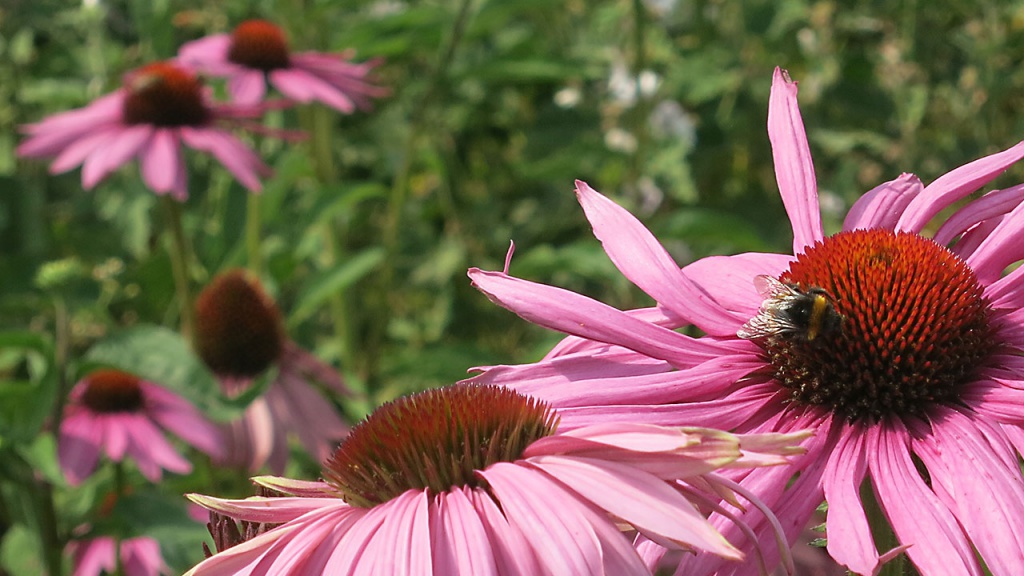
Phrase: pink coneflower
(902, 351)
(476, 480)
(240, 335)
(95, 556)
(122, 415)
(258, 49)
(160, 108)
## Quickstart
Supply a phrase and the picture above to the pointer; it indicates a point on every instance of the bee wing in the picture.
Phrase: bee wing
(766, 323)
(770, 287)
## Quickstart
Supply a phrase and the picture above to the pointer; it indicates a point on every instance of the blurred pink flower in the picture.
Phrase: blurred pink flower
(476, 480)
(160, 108)
(904, 356)
(240, 335)
(120, 414)
(95, 556)
(258, 49)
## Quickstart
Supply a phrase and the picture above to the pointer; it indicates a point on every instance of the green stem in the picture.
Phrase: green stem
(178, 251)
(881, 530)
(253, 235)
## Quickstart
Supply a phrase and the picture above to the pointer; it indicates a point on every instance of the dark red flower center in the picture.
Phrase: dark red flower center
(239, 331)
(163, 94)
(435, 439)
(910, 326)
(112, 391)
(260, 45)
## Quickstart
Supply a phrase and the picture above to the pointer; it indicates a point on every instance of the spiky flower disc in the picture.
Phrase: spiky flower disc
(436, 439)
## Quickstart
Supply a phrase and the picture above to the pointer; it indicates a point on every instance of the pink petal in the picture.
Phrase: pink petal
(882, 206)
(75, 152)
(563, 540)
(402, 543)
(121, 147)
(954, 185)
(209, 54)
(995, 203)
(178, 416)
(1001, 248)
(78, 448)
(572, 313)
(247, 87)
(141, 556)
(848, 532)
(151, 451)
(49, 137)
(351, 554)
(235, 156)
(95, 556)
(643, 260)
(794, 169)
(731, 278)
(986, 496)
(305, 412)
(1008, 291)
(726, 413)
(162, 160)
(512, 553)
(640, 499)
(292, 553)
(242, 558)
(275, 510)
(114, 428)
(996, 400)
(458, 536)
(303, 86)
(938, 544)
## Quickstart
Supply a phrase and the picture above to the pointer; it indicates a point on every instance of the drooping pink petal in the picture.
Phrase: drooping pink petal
(117, 148)
(954, 185)
(937, 542)
(459, 537)
(995, 203)
(160, 161)
(1008, 291)
(115, 428)
(512, 553)
(567, 544)
(271, 510)
(242, 558)
(49, 137)
(731, 278)
(986, 496)
(402, 543)
(641, 499)
(75, 152)
(1000, 248)
(95, 556)
(247, 87)
(994, 399)
(351, 554)
(646, 263)
(209, 54)
(152, 452)
(882, 206)
(179, 417)
(303, 410)
(306, 87)
(292, 552)
(575, 314)
(848, 532)
(141, 557)
(794, 169)
(242, 162)
(78, 446)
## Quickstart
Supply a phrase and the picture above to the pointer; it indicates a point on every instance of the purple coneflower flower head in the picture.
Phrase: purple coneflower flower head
(477, 480)
(139, 557)
(161, 108)
(240, 335)
(902, 350)
(257, 52)
(123, 416)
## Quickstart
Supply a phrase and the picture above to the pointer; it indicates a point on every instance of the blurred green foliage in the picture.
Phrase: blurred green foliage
(495, 107)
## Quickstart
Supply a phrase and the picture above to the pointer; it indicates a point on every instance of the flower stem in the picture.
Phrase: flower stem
(253, 236)
(178, 251)
(882, 532)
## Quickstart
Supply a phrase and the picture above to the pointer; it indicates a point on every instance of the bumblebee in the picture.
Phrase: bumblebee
(789, 309)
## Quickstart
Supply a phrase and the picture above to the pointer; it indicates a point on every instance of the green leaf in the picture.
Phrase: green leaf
(331, 281)
(19, 553)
